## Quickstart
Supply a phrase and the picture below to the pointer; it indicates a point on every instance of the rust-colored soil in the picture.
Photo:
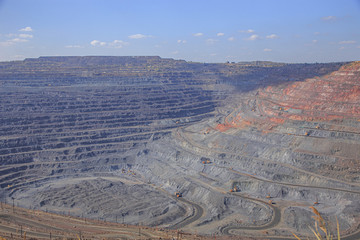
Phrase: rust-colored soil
(334, 96)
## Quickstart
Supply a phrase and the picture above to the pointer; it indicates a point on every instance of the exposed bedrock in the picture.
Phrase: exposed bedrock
(247, 147)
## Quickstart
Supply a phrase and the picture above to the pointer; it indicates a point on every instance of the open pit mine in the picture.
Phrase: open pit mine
(232, 149)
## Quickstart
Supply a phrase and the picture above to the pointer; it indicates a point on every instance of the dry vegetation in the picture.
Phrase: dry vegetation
(321, 224)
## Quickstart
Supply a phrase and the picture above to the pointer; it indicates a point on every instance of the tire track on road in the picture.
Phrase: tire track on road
(198, 212)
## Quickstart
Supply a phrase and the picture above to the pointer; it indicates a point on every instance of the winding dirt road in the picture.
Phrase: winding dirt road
(182, 135)
(275, 220)
(198, 212)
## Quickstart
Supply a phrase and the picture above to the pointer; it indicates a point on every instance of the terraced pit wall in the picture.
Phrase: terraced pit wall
(115, 137)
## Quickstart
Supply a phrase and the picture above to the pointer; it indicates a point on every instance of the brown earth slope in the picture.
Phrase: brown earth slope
(333, 96)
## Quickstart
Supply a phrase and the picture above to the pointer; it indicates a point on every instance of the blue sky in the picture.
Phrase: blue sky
(193, 30)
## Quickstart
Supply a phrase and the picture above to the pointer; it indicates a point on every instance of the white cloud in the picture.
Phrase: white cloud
(272, 36)
(114, 44)
(7, 43)
(211, 41)
(96, 43)
(314, 41)
(24, 35)
(21, 35)
(342, 48)
(198, 34)
(253, 37)
(267, 50)
(118, 43)
(220, 34)
(247, 31)
(231, 39)
(347, 42)
(358, 47)
(18, 40)
(139, 36)
(13, 41)
(181, 41)
(213, 54)
(329, 18)
(14, 38)
(175, 52)
(26, 29)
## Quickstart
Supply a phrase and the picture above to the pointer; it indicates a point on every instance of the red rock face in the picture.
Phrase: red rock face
(333, 96)
(329, 97)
